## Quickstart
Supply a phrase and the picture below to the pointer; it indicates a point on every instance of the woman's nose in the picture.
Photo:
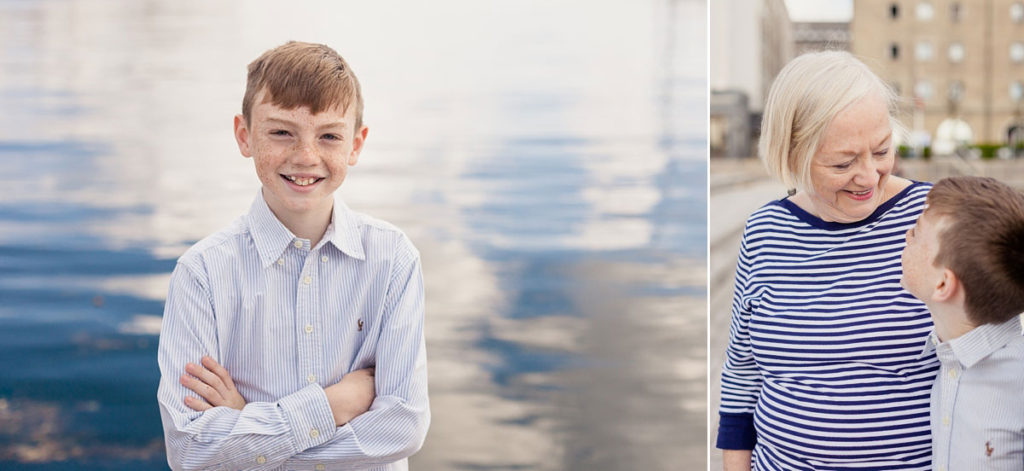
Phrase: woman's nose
(867, 172)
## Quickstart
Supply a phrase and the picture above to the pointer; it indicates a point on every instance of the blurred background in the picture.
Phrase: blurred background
(957, 65)
(547, 158)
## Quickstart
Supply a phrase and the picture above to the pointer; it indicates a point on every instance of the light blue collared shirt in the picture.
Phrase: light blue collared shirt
(286, 320)
(977, 401)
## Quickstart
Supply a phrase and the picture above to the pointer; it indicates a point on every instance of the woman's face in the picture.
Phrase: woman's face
(853, 162)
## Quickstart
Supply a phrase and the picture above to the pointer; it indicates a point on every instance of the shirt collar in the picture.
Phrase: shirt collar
(980, 342)
(929, 345)
(343, 232)
(272, 238)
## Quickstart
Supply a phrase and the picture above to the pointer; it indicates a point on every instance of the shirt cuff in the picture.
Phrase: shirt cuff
(736, 432)
(309, 415)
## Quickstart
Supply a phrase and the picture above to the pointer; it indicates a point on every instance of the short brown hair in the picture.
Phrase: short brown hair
(983, 244)
(303, 74)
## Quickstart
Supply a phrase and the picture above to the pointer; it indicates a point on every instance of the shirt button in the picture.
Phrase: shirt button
(307, 280)
(309, 328)
(311, 378)
(952, 374)
(320, 467)
(323, 259)
(314, 433)
(945, 420)
(280, 261)
(298, 244)
(261, 459)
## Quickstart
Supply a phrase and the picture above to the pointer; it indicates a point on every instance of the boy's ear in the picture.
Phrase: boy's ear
(357, 145)
(947, 287)
(242, 135)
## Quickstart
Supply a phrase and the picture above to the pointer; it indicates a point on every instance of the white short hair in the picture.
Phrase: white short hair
(806, 95)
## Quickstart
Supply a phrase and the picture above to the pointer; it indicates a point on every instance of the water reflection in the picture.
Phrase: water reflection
(550, 167)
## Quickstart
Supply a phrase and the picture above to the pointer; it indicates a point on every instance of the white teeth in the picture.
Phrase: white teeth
(301, 181)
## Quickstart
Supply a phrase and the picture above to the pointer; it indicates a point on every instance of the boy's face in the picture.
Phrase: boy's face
(301, 158)
(920, 275)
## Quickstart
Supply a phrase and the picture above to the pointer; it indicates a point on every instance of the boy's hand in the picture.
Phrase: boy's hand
(213, 383)
(351, 396)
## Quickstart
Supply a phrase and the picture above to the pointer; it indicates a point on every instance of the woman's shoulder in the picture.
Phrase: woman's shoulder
(907, 194)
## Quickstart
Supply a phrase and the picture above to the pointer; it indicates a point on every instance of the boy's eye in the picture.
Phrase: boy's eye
(279, 132)
(332, 137)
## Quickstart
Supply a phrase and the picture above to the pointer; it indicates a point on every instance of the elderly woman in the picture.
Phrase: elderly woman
(824, 367)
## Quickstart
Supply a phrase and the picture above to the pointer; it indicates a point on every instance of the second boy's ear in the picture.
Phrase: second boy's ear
(357, 145)
(242, 135)
(947, 287)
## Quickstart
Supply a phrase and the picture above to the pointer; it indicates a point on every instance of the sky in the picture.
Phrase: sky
(820, 10)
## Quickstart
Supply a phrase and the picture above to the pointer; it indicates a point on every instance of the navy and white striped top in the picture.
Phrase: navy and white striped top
(824, 350)
(286, 319)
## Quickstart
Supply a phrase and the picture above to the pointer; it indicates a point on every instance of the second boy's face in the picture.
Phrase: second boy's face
(301, 158)
(920, 275)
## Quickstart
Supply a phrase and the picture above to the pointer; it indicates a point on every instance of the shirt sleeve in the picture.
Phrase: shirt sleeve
(396, 424)
(741, 378)
(260, 436)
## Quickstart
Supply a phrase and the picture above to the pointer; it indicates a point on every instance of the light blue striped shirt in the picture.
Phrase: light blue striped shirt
(287, 319)
(978, 399)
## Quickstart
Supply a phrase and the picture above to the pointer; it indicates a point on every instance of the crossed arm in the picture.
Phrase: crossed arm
(368, 418)
(348, 398)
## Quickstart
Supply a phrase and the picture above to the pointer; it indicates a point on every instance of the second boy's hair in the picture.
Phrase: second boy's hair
(804, 98)
(982, 242)
(303, 74)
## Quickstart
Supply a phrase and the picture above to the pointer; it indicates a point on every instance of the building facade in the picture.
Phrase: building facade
(750, 42)
(948, 59)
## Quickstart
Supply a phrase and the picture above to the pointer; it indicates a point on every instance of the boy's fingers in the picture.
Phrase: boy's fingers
(196, 404)
(205, 376)
(202, 389)
(220, 371)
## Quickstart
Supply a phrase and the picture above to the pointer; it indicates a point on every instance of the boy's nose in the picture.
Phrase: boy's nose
(305, 153)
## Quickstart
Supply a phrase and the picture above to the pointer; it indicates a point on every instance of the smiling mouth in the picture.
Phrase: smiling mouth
(861, 195)
(302, 181)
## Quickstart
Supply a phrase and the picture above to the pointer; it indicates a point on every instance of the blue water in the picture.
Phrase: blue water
(548, 160)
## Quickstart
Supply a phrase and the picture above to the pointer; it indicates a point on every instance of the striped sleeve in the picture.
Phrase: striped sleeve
(741, 378)
(397, 422)
(262, 435)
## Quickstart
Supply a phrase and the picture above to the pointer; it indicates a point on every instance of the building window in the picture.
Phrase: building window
(923, 90)
(925, 11)
(956, 91)
(1017, 52)
(923, 52)
(894, 10)
(1016, 90)
(956, 53)
(955, 12)
(894, 51)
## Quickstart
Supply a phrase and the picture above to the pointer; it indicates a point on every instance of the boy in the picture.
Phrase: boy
(965, 260)
(315, 310)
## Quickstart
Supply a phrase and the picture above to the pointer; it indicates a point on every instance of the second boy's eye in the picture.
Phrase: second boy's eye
(332, 137)
(279, 132)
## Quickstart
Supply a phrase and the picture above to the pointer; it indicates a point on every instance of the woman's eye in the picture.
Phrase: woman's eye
(882, 153)
(842, 166)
